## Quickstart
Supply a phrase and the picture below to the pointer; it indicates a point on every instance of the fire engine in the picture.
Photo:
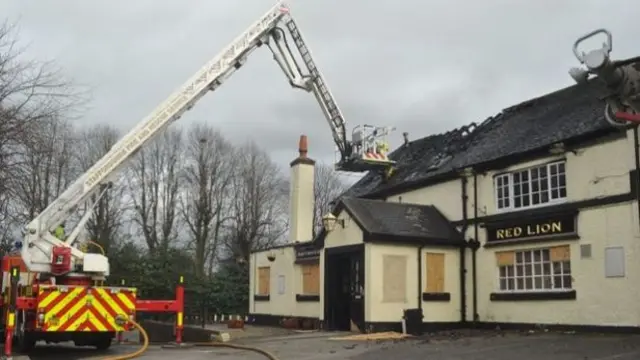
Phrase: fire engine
(53, 290)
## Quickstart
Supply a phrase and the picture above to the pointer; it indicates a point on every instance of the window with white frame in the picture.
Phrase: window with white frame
(546, 269)
(531, 187)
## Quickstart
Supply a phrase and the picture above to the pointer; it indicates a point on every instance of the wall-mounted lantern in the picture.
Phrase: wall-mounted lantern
(271, 256)
(330, 221)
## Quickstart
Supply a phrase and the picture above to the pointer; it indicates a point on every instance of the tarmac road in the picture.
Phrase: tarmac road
(459, 345)
(301, 347)
(70, 352)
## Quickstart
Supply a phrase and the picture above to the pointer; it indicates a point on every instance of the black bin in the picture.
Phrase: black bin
(413, 321)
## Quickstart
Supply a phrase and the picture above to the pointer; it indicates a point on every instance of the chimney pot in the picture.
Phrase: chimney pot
(303, 146)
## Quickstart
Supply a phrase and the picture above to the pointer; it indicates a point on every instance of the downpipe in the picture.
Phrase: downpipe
(464, 181)
(474, 244)
(636, 148)
(420, 280)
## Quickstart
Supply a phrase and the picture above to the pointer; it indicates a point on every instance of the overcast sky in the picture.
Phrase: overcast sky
(422, 66)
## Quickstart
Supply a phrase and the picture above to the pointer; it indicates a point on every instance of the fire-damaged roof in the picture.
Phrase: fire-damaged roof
(569, 115)
(395, 222)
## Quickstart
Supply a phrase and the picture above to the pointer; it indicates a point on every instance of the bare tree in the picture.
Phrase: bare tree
(259, 213)
(32, 95)
(155, 184)
(206, 190)
(108, 214)
(45, 170)
(6, 221)
(328, 187)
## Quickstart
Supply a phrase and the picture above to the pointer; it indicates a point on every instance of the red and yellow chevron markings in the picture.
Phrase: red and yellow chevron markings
(85, 309)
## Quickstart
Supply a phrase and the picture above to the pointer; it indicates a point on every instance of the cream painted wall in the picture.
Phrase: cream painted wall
(349, 235)
(439, 311)
(445, 195)
(286, 304)
(600, 300)
(377, 310)
(594, 171)
(281, 304)
(278, 304)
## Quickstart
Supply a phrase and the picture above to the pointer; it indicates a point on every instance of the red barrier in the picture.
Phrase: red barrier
(170, 306)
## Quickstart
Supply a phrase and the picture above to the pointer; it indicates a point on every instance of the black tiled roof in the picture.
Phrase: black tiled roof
(570, 113)
(388, 220)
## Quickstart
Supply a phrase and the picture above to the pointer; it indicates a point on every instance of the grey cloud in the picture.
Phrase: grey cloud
(422, 66)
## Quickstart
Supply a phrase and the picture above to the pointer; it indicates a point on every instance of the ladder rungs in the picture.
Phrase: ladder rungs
(327, 99)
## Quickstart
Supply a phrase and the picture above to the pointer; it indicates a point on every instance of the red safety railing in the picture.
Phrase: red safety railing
(168, 306)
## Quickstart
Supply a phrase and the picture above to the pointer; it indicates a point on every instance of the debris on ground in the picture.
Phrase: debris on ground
(389, 335)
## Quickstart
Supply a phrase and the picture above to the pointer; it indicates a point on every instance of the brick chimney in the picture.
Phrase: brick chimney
(301, 193)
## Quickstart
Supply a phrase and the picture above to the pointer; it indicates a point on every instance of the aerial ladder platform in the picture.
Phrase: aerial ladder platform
(53, 289)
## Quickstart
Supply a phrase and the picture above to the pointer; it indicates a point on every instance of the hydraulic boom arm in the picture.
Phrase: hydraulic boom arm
(365, 151)
(621, 77)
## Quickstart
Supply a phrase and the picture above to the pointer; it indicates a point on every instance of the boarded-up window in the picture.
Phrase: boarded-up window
(264, 277)
(614, 261)
(505, 258)
(311, 279)
(560, 253)
(394, 278)
(434, 272)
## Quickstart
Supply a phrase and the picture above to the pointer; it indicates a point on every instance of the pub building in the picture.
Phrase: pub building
(526, 219)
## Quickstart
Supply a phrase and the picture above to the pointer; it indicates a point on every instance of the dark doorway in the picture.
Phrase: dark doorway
(344, 288)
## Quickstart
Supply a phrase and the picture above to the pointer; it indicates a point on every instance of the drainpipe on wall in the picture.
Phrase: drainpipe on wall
(475, 245)
(463, 264)
(636, 148)
(420, 277)
(252, 268)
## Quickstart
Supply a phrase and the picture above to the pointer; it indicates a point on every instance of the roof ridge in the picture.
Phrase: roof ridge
(391, 203)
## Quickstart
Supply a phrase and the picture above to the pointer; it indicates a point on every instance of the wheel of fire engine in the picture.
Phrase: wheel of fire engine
(24, 341)
(103, 343)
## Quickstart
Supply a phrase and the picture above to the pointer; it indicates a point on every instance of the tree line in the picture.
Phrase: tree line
(192, 202)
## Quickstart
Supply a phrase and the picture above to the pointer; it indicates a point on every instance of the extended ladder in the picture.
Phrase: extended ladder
(367, 149)
(36, 249)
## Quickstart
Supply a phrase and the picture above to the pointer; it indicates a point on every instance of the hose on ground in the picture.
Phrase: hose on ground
(267, 354)
(145, 346)
(139, 351)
